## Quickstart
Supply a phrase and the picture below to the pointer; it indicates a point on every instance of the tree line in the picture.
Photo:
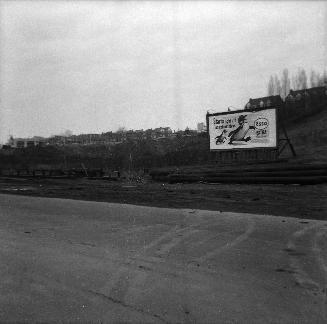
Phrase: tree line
(299, 81)
(129, 155)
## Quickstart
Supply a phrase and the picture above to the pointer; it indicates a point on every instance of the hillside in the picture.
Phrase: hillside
(302, 201)
(309, 137)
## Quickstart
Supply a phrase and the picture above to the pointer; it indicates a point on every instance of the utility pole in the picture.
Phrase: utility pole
(130, 165)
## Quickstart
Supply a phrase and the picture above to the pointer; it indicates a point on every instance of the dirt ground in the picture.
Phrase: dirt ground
(74, 261)
(307, 201)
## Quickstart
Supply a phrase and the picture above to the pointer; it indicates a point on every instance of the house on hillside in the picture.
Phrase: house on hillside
(139, 134)
(201, 127)
(189, 132)
(305, 102)
(158, 133)
(110, 138)
(131, 135)
(162, 132)
(26, 142)
(311, 94)
(264, 102)
(57, 140)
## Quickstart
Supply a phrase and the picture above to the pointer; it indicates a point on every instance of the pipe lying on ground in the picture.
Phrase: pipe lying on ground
(250, 180)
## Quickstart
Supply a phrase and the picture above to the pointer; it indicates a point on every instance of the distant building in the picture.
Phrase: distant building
(132, 136)
(189, 132)
(201, 127)
(264, 102)
(57, 140)
(108, 138)
(162, 132)
(158, 133)
(316, 93)
(26, 142)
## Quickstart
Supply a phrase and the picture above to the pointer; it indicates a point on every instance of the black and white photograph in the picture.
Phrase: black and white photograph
(163, 161)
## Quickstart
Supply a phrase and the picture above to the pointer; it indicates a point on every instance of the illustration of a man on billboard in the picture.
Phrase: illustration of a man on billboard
(240, 133)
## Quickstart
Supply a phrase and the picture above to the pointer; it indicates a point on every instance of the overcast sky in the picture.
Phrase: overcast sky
(93, 66)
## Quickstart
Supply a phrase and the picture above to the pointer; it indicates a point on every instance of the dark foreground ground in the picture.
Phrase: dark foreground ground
(307, 201)
(71, 261)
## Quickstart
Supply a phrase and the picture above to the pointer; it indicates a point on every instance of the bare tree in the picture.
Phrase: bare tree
(324, 77)
(314, 78)
(322, 80)
(300, 81)
(318, 80)
(277, 86)
(286, 84)
(271, 86)
(304, 79)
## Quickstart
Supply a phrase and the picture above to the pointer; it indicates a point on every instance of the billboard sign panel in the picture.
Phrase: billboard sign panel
(243, 130)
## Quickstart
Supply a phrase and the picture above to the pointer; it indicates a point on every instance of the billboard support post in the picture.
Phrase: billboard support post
(283, 142)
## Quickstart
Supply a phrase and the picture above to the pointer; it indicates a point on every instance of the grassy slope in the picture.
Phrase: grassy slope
(309, 138)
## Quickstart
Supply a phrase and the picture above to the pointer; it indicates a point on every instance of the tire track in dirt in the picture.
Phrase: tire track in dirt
(322, 264)
(127, 286)
(318, 251)
(175, 241)
(244, 236)
(66, 286)
(126, 305)
(168, 234)
(296, 259)
(168, 240)
(131, 276)
(134, 275)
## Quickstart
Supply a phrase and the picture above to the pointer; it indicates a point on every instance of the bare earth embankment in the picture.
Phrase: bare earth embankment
(307, 201)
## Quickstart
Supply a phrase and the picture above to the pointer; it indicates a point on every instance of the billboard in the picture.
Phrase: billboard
(243, 129)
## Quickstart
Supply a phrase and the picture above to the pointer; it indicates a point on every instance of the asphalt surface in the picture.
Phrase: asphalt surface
(77, 261)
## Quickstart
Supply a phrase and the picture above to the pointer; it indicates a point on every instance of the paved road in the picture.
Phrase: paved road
(65, 260)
